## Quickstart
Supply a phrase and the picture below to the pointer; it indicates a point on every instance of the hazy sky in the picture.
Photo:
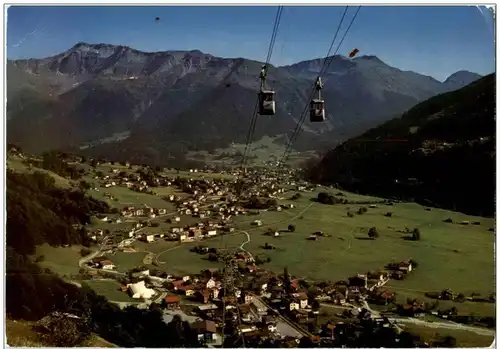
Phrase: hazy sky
(432, 40)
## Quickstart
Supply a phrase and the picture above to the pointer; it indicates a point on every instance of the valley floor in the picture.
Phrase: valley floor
(449, 255)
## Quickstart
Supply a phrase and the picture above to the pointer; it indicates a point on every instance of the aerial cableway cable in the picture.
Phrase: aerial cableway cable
(253, 122)
(251, 130)
(326, 64)
(311, 94)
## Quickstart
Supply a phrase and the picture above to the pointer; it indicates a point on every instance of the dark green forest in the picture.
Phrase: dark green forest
(440, 153)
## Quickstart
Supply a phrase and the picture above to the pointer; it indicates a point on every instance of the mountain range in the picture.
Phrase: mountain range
(120, 102)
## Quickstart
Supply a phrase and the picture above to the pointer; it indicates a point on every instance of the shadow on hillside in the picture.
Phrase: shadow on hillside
(363, 238)
(407, 238)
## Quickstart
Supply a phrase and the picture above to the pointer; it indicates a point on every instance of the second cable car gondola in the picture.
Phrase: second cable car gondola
(267, 105)
(317, 105)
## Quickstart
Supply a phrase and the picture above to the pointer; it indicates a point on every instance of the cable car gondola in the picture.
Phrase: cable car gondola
(267, 105)
(317, 106)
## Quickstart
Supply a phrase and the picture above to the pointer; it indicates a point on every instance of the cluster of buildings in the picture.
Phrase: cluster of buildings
(262, 305)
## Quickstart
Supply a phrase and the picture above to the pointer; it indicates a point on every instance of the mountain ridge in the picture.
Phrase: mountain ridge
(81, 44)
(95, 91)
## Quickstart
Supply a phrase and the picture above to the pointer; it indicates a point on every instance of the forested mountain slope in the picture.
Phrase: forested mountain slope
(441, 152)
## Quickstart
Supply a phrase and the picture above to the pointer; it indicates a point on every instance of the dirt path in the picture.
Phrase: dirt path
(246, 242)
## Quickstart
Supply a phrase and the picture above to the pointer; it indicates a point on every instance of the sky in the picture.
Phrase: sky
(431, 40)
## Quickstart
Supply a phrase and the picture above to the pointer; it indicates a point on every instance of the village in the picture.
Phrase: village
(262, 305)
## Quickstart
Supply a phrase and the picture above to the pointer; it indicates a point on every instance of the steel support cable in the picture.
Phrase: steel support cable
(248, 142)
(253, 122)
(311, 94)
(295, 135)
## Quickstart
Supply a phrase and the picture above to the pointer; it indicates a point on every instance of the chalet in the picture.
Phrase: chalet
(338, 298)
(247, 298)
(212, 232)
(245, 313)
(206, 331)
(301, 298)
(177, 284)
(107, 265)
(187, 290)
(405, 266)
(202, 296)
(247, 328)
(210, 283)
(171, 302)
(359, 280)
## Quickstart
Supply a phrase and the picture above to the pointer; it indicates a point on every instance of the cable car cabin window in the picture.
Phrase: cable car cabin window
(317, 110)
(267, 106)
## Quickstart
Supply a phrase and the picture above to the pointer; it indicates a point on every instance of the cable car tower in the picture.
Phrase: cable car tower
(267, 105)
(317, 105)
(229, 290)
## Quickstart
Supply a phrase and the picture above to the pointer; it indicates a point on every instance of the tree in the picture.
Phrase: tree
(373, 233)
(415, 234)
(85, 252)
(286, 280)
(64, 331)
(460, 298)
(448, 342)
(84, 185)
(327, 199)
(291, 228)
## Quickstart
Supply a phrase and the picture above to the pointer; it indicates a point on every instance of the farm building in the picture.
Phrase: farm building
(139, 290)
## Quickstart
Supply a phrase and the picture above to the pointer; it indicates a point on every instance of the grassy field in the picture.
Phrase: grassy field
(156, 247)
(125, 261)
(111, 290)
(465, 339)
(15, 163)
(62, 260)
(126, 197)
(261, 151)
(449, 255)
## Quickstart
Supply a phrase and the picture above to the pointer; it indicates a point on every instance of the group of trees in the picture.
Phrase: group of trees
(329, 199)
(256, 202)
(54, 161)
(39, 212)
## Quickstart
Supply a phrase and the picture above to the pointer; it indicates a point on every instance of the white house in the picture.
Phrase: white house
(212, 232)
(210, 283)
